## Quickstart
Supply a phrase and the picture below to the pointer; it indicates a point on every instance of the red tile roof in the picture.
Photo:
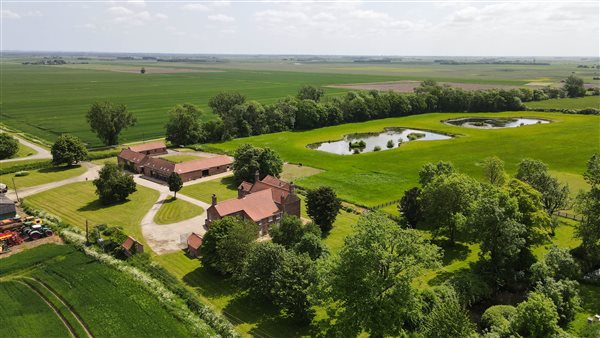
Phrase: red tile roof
(128, 243)
(245, 186)
(132, 156)
(279, 188)
(257, 206)
(194, 240)
(202, 164)
(159, 164)
(148, 146)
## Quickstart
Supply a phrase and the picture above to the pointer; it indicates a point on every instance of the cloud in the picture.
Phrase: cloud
(129, 17)
(118, 10)
(196, 7)
(7, 14)
(161, 16)
(221, 18)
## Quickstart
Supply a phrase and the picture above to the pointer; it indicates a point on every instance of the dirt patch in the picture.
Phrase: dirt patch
(32, 244)
(409, 86)
(292, 172)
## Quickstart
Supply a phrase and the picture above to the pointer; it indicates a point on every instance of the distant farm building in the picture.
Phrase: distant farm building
(262, 202)
(7, 207)
(161, 169)
(194, 241)
(152, 148)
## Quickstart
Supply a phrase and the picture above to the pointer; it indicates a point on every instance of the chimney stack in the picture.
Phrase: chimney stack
(256, 176)
(214, 199)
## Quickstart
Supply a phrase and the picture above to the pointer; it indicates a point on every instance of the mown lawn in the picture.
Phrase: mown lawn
(377, 177)
(42, 176)
(180, 158)
(176, 210)
(225, 188)
(293, 172)
(23, 151)
(24, 314)
(77, 202)
(109, 302)
(568, 103)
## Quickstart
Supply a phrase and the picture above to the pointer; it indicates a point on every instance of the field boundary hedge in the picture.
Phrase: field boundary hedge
(42, 164)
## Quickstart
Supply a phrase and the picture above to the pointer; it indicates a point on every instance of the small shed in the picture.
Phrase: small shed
(194, 242)
(7, 208)
(132, 246)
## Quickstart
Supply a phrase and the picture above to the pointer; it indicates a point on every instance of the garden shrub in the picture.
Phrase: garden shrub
(497, 318)
(21, 173)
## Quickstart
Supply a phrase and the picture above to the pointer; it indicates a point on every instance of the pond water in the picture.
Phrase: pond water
(495, 123)
(390, 138)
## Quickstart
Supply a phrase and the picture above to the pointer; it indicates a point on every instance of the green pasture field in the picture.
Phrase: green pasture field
(180, 158)
(377, 177)
(109, 303)
(568, 103)
(42, 176)
(47, 101)
(176, 210)
(77, 202)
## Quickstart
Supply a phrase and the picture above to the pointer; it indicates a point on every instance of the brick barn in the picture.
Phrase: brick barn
(194, 242)
(262, 202)
(151, 148)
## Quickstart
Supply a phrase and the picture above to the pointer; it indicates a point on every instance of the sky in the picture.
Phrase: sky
(384, 27)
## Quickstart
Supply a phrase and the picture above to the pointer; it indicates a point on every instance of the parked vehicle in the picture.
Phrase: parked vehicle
(36, 231)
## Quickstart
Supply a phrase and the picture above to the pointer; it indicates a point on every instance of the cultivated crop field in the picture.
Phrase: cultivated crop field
(570, 103)
(376, 177)
(47, 101)
(106, 302)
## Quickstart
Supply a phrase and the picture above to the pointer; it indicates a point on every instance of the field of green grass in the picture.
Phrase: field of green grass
(77, 202)
(47, 101)
(109, 303)
(42, 176)
(180, 158)
(176, 210)
(372, 178)
(23, 151)
(570, 103)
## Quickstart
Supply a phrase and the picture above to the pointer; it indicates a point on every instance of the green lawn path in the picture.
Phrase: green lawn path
(42, 176)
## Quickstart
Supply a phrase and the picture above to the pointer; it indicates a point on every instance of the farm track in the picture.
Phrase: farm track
(41, 153)
(53, 308)
(67, 305)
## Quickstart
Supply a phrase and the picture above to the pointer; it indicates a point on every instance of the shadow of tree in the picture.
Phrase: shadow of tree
(58, 169)
(230, 182)
(210, 284)
(97, 205)
(452, 251)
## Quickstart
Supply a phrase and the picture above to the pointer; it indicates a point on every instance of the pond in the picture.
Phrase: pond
(494, 123)
(390, 138)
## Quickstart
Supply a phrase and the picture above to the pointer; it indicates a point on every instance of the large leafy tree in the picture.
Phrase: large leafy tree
(247, 160)
(448, 318)
(574, 86)
(588, 204)
(310, 93)
(292, 282)
(8, 146)
(323, 206)
(410, 206)
(503, 239)
(536, 317)
(368, 286)
(565, 296)
(429, 171)
(226, 244)
(493, 170)
(311, 245)
(108, 120)
(446, 203)
(554, 194)
(290, 230)
(224, 101)
(532, 213)
(68, 149)
(184, 126)
(257, 273)
(175, 183)
(113, 185)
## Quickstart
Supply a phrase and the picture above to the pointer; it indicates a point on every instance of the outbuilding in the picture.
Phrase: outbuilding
(7, 208)
(194, 242)
(150, 148)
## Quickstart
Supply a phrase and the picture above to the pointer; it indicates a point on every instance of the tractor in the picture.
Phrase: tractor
(8, 239)
(36, 231)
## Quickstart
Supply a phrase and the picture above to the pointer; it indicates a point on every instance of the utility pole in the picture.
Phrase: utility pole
(15, 187)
